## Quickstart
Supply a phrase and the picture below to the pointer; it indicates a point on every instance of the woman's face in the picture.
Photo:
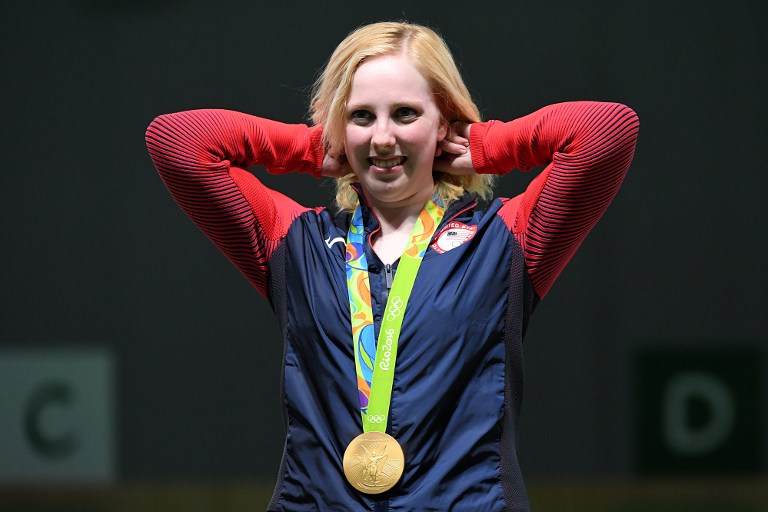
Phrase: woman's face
(392, 129)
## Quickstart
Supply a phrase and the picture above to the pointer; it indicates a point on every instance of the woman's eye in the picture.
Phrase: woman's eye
(361, 116)
(406, 113)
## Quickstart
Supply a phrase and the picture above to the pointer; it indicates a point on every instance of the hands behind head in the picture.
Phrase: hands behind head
(453, 155)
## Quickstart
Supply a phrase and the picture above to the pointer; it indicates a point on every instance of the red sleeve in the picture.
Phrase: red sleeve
(201, 156)
(587, 148)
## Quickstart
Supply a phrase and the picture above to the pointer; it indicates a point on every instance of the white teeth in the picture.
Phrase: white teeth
(389, 163)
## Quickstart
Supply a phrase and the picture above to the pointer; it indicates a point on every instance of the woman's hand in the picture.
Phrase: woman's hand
(334, 167)
(453, 155)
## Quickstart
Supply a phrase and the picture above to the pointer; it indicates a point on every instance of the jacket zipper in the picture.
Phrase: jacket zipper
(389, 276)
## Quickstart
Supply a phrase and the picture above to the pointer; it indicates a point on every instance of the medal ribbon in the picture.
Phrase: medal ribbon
(375, 362)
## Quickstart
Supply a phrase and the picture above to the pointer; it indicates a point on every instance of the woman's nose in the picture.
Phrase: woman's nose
(383, 135)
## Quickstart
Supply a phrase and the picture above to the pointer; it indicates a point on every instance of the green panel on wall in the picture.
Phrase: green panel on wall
(698, 411)
(685, 509)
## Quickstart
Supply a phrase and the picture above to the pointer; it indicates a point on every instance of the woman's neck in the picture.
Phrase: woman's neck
(399, 215)
(396, 221)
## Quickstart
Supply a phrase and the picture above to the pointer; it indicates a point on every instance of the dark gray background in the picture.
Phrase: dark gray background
(95, 252)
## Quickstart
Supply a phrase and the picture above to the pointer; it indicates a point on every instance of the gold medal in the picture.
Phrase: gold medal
(373, 462)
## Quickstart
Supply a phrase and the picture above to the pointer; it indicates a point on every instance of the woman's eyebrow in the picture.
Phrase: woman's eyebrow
(411, 102)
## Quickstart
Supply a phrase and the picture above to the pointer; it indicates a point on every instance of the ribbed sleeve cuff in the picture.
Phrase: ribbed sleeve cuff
(313, 160)
(480, 157)
(304, 154)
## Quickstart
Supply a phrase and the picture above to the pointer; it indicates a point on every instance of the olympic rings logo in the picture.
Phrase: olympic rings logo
(395, 308)
(375, 418)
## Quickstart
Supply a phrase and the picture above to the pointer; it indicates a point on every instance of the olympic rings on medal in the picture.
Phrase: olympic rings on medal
(375, 418)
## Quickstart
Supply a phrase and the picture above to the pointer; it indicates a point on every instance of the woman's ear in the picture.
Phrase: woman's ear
(442, 131)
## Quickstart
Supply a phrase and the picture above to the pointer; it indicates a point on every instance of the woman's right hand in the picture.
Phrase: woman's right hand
(454, 154)
(334, 167)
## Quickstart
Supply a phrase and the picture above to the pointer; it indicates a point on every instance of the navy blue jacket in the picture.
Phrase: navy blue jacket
(458, 382)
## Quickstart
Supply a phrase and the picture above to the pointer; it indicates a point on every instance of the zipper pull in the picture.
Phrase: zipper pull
(389, 276)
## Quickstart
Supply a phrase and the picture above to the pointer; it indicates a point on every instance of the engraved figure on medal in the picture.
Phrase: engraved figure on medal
(373, 466)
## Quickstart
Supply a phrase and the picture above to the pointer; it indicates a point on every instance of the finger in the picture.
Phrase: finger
(461, 129)
(453, 147)
(456, 134)
(453, 170)
(457, 139)
(455, 164)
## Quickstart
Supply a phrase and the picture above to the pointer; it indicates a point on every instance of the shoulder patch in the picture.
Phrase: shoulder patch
(452, 235)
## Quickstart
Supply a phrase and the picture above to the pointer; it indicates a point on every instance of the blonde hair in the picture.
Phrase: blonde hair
(430, 54)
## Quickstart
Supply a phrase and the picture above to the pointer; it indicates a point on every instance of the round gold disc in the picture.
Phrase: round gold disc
(373, 462)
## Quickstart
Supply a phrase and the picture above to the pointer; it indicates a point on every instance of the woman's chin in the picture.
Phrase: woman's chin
(397, 193)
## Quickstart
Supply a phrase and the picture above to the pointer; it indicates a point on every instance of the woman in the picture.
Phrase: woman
(402, 315)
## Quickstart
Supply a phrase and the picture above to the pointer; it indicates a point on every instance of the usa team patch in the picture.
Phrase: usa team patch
(453, 235)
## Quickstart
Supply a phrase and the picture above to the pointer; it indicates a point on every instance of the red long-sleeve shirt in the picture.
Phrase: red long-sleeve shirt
(588, 146)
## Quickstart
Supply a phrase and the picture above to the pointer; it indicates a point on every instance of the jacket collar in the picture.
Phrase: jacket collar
(371, 222)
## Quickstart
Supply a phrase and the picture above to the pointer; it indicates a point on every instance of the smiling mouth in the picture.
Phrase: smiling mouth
(387, 163)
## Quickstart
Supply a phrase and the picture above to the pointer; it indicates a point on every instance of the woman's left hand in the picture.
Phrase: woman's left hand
(453, 155)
